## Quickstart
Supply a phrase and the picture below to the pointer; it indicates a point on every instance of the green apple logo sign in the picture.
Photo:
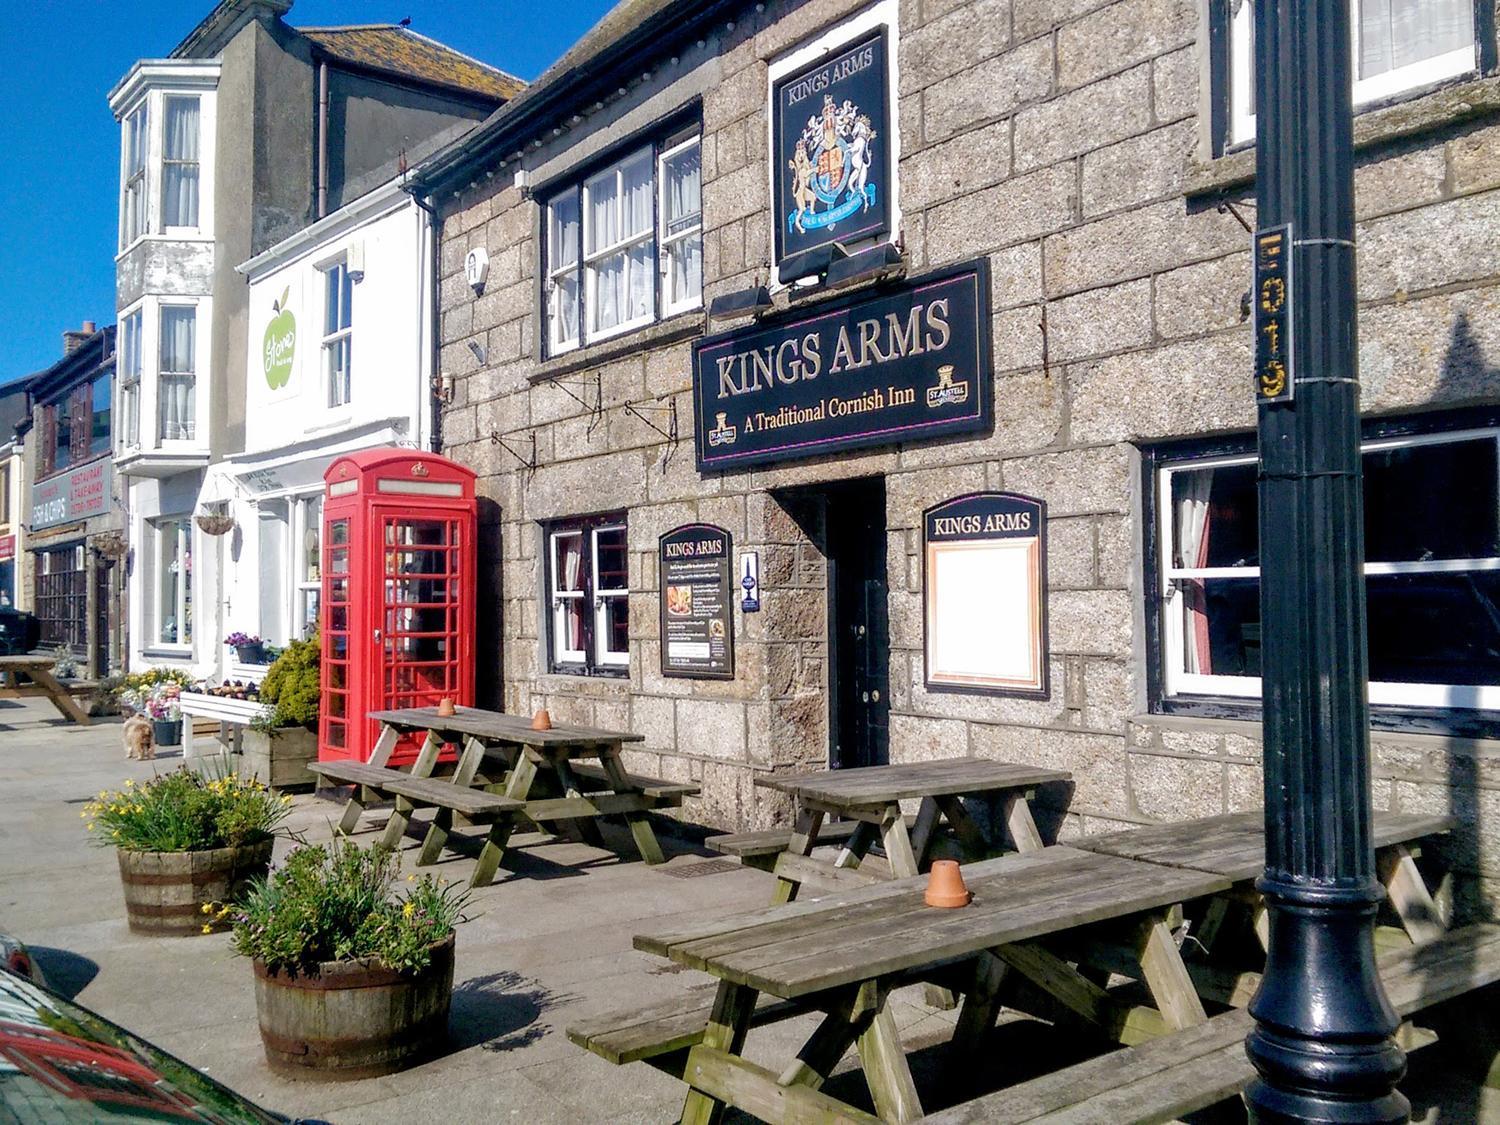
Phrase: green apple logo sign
(280, 343)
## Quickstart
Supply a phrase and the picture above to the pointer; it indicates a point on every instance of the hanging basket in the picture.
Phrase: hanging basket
(212, 523)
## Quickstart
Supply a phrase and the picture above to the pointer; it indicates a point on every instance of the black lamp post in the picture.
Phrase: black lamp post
(1322, 1043)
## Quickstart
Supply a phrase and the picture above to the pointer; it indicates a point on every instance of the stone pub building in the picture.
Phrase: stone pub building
(860, 381)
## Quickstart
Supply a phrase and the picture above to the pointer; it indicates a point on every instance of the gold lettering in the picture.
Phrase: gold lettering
(937, 325)
(843, 353)
(812, 358)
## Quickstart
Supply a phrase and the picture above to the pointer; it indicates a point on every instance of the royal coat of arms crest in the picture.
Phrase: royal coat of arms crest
(830, 167)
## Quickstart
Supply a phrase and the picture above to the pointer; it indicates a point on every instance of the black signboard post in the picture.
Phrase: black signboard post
(1274, 380)
(696, 573)
(906, 364)
(832, 160)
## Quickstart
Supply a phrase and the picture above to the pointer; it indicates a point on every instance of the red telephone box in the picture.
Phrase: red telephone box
(399, 532)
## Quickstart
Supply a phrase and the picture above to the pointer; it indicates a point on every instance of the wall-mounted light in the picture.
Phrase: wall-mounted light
(477, 268)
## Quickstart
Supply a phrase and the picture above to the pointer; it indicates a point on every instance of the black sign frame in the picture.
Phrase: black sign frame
(932, 392)
(982, 505)
(694, 534)
(843, 125)
(1275, 314)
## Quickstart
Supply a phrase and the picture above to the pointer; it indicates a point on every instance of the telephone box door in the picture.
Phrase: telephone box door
(420, 613)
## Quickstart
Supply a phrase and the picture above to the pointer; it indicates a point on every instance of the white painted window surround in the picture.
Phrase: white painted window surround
(1400, 46)
(167, 114)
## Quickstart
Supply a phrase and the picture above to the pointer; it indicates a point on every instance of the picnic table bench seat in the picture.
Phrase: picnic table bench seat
(652, 1033)
(658, 789)
(475, 804)
(761, 848)
(1189, 1070)
(357, 773)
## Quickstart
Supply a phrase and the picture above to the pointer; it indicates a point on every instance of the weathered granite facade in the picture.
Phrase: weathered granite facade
(1068, 143)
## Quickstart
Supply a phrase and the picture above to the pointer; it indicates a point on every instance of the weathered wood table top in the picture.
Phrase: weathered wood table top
(1234, 845)
(884, 929)
(499, 727)
(881, 785)
(43, 682)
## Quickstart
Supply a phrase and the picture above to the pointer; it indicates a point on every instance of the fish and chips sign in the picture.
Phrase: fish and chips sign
(832, 166)
(73, 495)
(908, 364)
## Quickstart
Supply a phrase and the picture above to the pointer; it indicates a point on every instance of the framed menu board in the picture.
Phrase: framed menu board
(695, 572)
(984, 580)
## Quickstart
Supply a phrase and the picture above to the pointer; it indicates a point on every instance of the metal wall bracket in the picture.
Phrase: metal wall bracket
(528, 462)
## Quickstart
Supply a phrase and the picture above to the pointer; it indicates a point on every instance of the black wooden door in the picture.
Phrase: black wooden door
(858, 627)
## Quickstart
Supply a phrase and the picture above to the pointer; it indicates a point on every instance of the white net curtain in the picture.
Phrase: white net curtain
(179, 173)
(620, 244)
(177, 381)
(1398, 33)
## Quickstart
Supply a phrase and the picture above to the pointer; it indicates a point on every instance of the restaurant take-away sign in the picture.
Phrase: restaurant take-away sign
(903, 364)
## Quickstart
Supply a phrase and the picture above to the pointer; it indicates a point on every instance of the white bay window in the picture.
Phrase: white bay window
(624, 246)
(133, 178)
(179, 163)
(1432, 573)
(130, 380)
(177, 382)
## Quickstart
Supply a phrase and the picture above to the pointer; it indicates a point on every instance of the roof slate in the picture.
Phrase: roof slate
(403, 53)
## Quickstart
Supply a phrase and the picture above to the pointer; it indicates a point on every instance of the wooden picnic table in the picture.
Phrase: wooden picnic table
(39, 670)
(1234, 846)
(547, 779)
(844, 953)
(872, 796)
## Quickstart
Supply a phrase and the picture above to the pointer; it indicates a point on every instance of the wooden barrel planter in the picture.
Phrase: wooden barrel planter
(354, 1019)
(165, 892)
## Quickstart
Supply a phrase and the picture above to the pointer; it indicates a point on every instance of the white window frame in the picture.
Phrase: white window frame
(183, 525)
(557, 344)
(175, 230)
(603, 656)
(199, 416)
(132, 369)
(1178, 683)
(334, 343)
(665, 243)
(134, 193)
(620, 247)
(561, 654)
(1402, 80)
(306, 564)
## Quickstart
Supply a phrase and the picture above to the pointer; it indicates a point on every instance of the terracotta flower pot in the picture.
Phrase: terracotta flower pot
(354, 1019)
(945, 885)
(165, 892)
(542, 720)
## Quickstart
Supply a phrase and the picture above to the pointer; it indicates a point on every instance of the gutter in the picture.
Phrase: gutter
(620, 62)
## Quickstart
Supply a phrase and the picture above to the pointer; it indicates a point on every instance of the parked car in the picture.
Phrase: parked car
(16, 958)
(19, 632)
(61, 1062)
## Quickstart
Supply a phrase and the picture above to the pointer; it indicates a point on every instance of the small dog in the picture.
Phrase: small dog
(139, 743)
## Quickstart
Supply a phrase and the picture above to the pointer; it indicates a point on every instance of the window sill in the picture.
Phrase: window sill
(1237, 716)
(1447, 105)
(180, 654)
(679, 327)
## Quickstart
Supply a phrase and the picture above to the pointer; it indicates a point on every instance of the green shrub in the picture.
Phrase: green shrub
(338, 902)
(184, 812)
(292, 687)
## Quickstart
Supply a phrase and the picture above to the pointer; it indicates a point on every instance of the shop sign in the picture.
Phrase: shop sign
(73, 495)
(984, 586)
(7, 547)
(279, 344)
(1273, 314)
(696, 574)
(831, 162)
(906, 365)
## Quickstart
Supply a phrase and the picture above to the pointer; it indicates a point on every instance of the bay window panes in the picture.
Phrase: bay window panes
(174, 582)
(1399, 46)
(338, 338)
(564, 228)
(588, 585)
(133, 182)
(62, 434)
(99, 413)
(682, 226)
(176, 391)
(129, 363)
(179, 164)
(1432, 573)
(619, 249)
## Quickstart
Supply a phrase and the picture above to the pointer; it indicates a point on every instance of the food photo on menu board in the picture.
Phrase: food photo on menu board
(697, 620)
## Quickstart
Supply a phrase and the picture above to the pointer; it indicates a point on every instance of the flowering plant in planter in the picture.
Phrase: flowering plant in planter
(183, 840)
(352, 977)
(241, 640)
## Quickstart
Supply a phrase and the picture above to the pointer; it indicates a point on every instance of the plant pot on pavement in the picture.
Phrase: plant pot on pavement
(165, 892)
(167, 732)
(354, 1019)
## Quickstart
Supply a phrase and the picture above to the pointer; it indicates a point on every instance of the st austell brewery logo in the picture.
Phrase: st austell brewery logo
(832, 161)
(723, 433)
(947, 391)
(831, 167)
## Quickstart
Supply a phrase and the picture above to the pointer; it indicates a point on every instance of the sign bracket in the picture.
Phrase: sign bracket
(528, 462)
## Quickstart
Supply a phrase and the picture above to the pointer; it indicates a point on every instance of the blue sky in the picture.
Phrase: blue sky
(57, 253)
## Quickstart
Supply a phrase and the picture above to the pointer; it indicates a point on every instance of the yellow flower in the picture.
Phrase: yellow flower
(208, 929)
(129, 783)
(208, 908)
(408, 910)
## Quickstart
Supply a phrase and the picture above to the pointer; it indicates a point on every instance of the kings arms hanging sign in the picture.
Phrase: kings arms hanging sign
(909, 363)
(831, 163)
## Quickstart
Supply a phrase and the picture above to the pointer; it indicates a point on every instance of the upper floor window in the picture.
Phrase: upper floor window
(338, 337)
(133, 180)
(77, 426)
(129, 362)
(179, 163)
(1432, 573)
(99, 412)
(589, 586)
(624, 246)
(177, 381)
(1399, 46)
(63, 416)
(4, 502)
